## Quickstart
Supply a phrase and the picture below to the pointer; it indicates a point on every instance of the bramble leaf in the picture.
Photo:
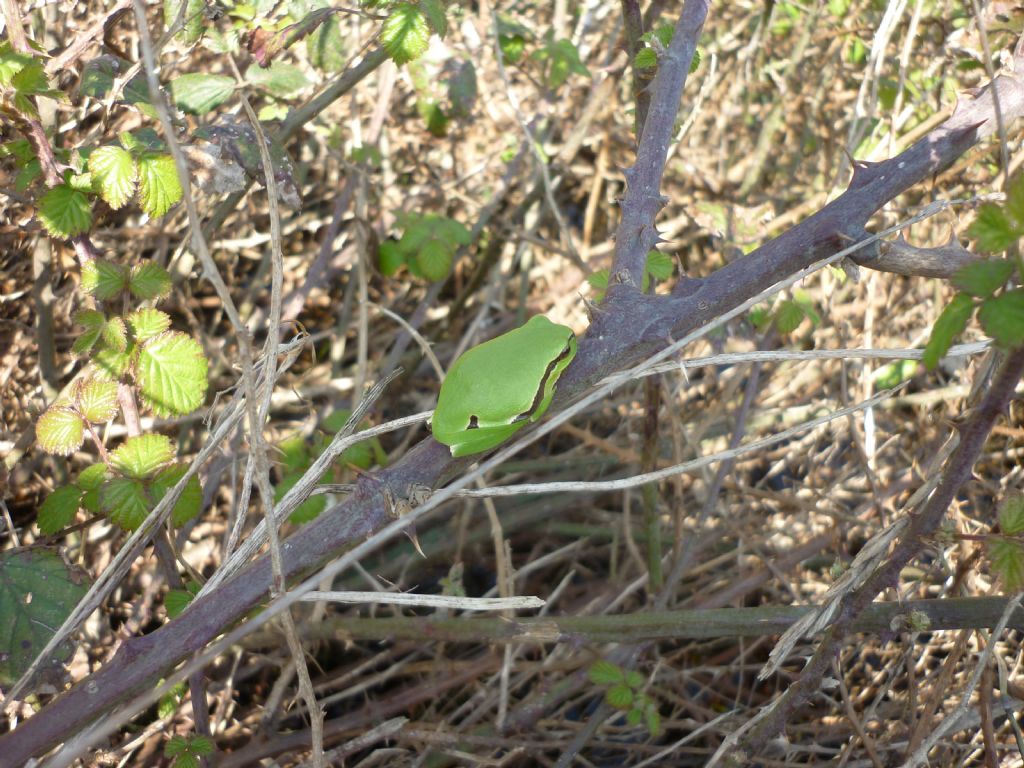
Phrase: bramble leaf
(146, 323)
(93, 322)
(189, 503)
(561, 59)
(659, 265)
(60, 430)
(192, 18)
(104, 279)
(159, 187)
(948, 326)
(59, 509)
(115, 335)
(1007, 559)
(140, 456)
(279, 79)
(97, 400)
(435, 259)
(788, 316)
(599, 282)
(115, 174)
(109, 363)
(198, 93)
(1011, 515)
(983, 278)
(405, 33)
(125, 501)
(434, 11)
(65, 212)
(605, 673)
(992, 229)
(149, 280)
(1002, 317)
(619, 696)
(171, 374)
(38, 591)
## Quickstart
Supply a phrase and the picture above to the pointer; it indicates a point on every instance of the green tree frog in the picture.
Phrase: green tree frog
(496, 388)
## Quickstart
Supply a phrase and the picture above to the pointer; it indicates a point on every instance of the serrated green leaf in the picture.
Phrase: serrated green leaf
(148, 322)
(11, 63)
(24, 105)
(97, 400)
(983, 278)
(561, 59)
(59, 509)
(125, 501)
(171, 700)
(599, 282)
(65, 212)
(788, 316)
(1002, 317)
(390, 257)
(948, 326)
(176, 601)
(436, 15)
(159, 187)
(1015, 201)
(192, 17)
(32, 171)
(405, 33)
(171, 374)
(104, 279)
(605, 673)
(175, 746)
(92, 477)
(512, 47)
(619, 696)
(664, 33)
(115, 335)
(136, 93)
(660, 265)
(149, 281)
(645, 58)
(31, 80)
(141, 141)
(992, 229)
(190, 503)
(141, 456)
(198, 94)
(634, 716)
(82, 182)
(115, 175)
(634, 680)
(98, 76)
(434, 116)
(279, 79)
(112, 364)
(60, 430)
(93, 322)
(38, 591)
(435, 259)
(202, 745)
(326, 47)
(1011, 515)
(652, 720)
(20, 149)
(893, 374)
(308, 510)
(1007, 559)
